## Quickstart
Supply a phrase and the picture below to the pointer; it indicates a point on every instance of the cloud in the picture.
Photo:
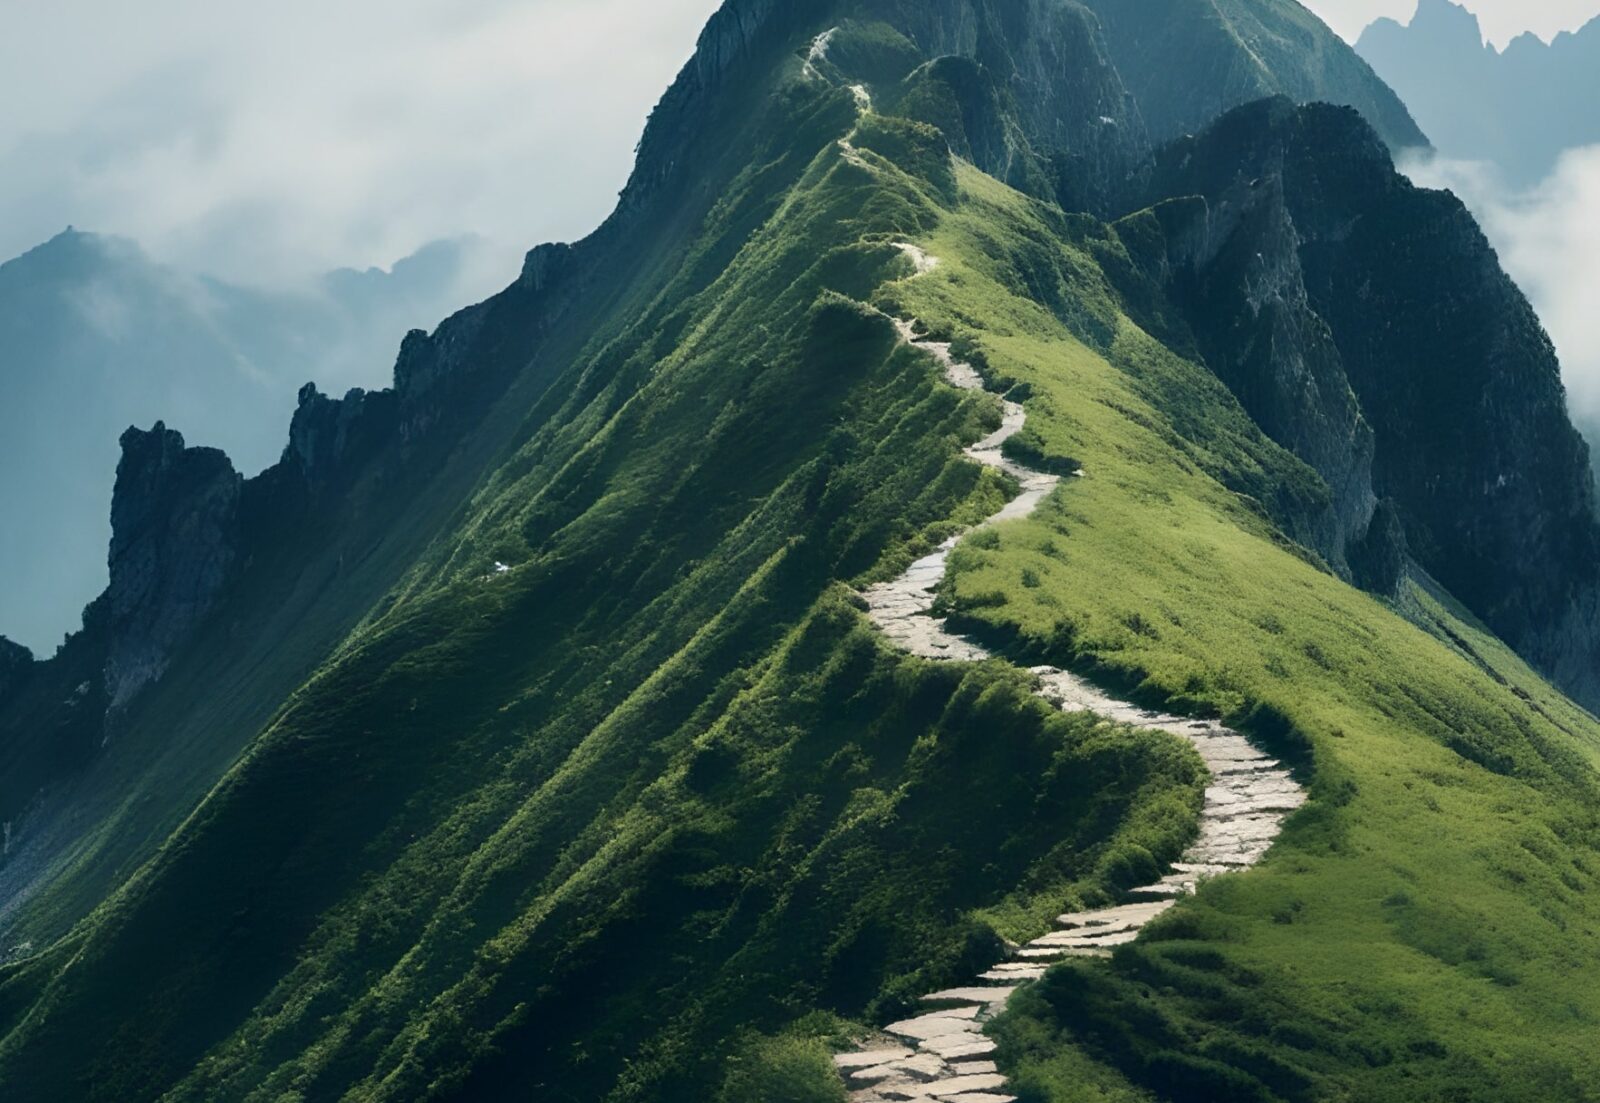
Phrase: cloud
(265, 142)
(1548, 238)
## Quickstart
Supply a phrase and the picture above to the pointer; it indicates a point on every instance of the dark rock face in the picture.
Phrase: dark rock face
(1189, 61)
(174, 520)
(16, 662)
(1234, 270)
(1449, 365)
(1025, 90)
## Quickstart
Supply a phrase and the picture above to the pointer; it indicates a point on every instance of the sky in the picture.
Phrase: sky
(1502, 20)
(264, 142)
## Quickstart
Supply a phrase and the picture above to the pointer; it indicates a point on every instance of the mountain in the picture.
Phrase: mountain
(1516, 108)
(97, 337)
(546, 725)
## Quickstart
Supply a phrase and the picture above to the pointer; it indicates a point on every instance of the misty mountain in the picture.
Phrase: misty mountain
(1519, 108)
(95, 337)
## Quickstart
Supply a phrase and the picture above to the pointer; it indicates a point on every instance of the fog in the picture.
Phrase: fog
(265, 143)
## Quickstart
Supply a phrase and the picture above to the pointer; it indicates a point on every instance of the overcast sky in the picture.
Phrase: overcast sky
(267, 141)
(260, 141)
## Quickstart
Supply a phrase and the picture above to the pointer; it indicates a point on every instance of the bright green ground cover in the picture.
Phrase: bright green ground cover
(1424, 929)
(613, 824)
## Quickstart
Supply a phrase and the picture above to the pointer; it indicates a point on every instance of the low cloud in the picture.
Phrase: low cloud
(264, 143)
(1548, 238)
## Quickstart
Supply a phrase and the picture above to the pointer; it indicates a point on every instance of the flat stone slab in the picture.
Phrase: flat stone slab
(981, 996)
(1057, 953)
(953, 1021)
(1014, 970)
(1128, 917)
(921, 1067)
(868, 1057)
(956, 1050)
(980, 1097)
(956, 1085)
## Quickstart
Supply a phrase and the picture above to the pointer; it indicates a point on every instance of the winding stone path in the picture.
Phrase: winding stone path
(943, 1055)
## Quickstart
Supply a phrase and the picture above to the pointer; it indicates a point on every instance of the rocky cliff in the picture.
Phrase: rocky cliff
(1362, 288)
(15, 663)
(1189, 61)
(174, 545)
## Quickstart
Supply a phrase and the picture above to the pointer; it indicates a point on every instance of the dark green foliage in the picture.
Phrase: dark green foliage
(785, 1069)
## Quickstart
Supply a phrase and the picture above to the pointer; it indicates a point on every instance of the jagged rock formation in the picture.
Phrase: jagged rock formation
(1367, 323)
(15, 663)
(1232, 265)
(98, 336)
(174, 545)
(944, 1054)
(1515, 108)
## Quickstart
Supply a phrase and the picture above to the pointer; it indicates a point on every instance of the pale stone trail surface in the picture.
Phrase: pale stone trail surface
(943, 1055)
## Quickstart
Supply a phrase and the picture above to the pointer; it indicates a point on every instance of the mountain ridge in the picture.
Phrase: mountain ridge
(541, 742)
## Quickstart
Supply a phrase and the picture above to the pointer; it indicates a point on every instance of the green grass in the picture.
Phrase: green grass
(619, 823)
(579, 828)
(1419, 930)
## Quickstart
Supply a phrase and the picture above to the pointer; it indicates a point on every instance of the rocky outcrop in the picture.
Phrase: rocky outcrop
(16, 662)
(174, 544)
(1231, 264)
(1447, 360)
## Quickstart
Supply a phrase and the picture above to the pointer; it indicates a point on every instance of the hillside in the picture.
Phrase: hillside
(536, 727)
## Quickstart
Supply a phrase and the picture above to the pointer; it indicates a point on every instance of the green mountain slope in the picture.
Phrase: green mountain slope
(538, 744)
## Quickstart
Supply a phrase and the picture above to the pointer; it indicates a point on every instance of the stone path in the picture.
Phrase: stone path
(943, 1054)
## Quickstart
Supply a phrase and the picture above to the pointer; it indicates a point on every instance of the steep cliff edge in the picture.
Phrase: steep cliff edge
(1403, 304)
(174, 545)
(16, 662)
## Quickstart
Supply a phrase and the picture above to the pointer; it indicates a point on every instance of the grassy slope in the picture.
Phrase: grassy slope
(576, 826)
(1421, 931)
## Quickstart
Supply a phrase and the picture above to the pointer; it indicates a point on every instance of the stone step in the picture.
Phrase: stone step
(919, 1068)
(944, 1089)
(1085, 940)
(980, 1097)
(954, 1021)
(983, 997)
(1014, 970)
(1058, 953)
(970, 1047)
(1128, 917)
(865, 1058)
